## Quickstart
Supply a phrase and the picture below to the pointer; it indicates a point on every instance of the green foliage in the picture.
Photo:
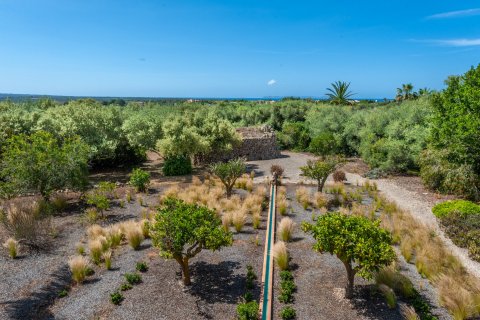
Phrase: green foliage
(98, 199)
(63, 293)
(339, 93)
(177, 166)
(42, 164)
(140, 179)
(248, 310)
(362, 246)
(323, 145)
(456, 123)
(182, 230)
(319, 170)
(294, 136)
(287, 289)
(251, 277)
(133, 278)
(229, 172)
(288, 313)
(462, 207)
(141, 266)
(125, 286)
(116, 298)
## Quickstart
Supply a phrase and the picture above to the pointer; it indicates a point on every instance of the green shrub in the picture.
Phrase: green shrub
(140, 179)
(177, 166)
(125, 286)
(248, 296)
(288, 313)
(133, 278)
(63, 293)
(116, 298)
(287, 288)
(462, 207)
(248, 310)
(141, 266)
(286, 275)
(323, 145)
(294, 136)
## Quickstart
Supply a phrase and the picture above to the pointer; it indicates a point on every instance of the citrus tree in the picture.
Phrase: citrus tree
(362, 246)
(181, 231)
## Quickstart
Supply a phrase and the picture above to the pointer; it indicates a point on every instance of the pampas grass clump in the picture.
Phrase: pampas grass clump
(320, 200)
(280, 255)
(12, 246)
(133, 234)
(256, 220)
(114, 236)
(238, 219)
(96, 249)
(95, 231)
(79, 267)
(285, 229)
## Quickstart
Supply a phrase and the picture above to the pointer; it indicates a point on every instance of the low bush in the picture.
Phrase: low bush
(339, 176)
(323, 144)
(139, 179)
(133, 278)
(63, 293)
(116, 298)
(79, 268)
(12, 246)
(285, 229)
(177, 166)
(288, 313)
(248, 310)
(125, 286)
(462, 207)
(280, 254)
(141, 266)
(251, 277)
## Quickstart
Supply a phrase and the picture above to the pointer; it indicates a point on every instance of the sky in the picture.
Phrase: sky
(248, 48)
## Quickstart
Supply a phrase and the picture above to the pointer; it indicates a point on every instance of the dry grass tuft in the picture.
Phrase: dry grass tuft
(238, 219)
(96, 249)
(320, 200)
(285, 229)
(457, 297)
(95, 231)
(79, 266)
(280, 254)
(133, 234)
(227, 220)
(12, 246)
(408, 313)
(107, 258)
(256, 220)
(303, 197)
(389, 295)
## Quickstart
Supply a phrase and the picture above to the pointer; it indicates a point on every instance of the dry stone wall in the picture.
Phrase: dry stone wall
(258, 143)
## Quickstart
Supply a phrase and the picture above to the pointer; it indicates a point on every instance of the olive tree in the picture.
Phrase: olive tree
(319, 170)
(362, 246)
(228, 173)
(41, 164)
(182, 230)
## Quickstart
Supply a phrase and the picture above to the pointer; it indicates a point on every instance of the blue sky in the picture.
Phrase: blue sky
(248, 48)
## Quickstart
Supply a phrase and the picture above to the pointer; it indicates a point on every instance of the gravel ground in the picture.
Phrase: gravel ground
(421, 210)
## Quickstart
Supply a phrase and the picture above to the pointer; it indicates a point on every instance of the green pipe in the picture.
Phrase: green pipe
(268, 244)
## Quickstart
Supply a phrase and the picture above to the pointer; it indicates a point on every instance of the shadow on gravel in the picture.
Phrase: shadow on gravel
(372, 305)
(36, 305)
(217, 282)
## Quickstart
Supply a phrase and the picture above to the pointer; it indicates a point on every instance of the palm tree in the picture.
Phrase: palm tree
(407, 91)
(339, 93)
(424, 92)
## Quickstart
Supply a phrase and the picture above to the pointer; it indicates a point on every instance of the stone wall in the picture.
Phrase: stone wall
(258, 143)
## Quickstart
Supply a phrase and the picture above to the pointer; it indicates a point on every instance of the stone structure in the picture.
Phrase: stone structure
(258, 143)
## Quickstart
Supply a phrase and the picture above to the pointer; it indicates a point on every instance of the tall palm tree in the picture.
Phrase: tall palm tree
(407, 91)
(339, 93)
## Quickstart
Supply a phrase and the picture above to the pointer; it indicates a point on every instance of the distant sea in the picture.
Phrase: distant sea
(27, 97)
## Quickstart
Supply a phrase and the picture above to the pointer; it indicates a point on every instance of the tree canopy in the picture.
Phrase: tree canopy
(319, 170)
(339, 93)
(42, 164)
(228, 173)
(182, 230)
(362, 246)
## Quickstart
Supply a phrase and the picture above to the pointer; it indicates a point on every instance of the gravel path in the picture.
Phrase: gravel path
(422, 211)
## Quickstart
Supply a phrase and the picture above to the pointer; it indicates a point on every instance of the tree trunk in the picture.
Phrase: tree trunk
(229, 190)
(321, 183)
(186, 273)
(350, 280)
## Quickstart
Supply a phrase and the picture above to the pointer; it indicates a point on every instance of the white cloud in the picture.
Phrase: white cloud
(455, 14)
(453, 42)
(271, 82)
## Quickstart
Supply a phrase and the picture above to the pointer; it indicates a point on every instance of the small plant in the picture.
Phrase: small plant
(408, 312)
(107, 258)
(282, 206)
(114, 236)
(116, 298)
(12, 246)
(285, 229)
(98, 199)
(134, 235)
(256, 220)
(288, 313)
(145, 225)
(125, 286)
(339, 176)
(389, 295)
(227, 220)
(63, 293)
(251, 277)
(320, 200)
(133, 278)
(248, 296)
(128, 196)
(141, 266)
(248, 310)
(122, 203)
(140, 179)
(280, 254)
(80, 249)
(79, 268)
(288, 287)
(96, 250)
(59, 203)
(238, 219)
